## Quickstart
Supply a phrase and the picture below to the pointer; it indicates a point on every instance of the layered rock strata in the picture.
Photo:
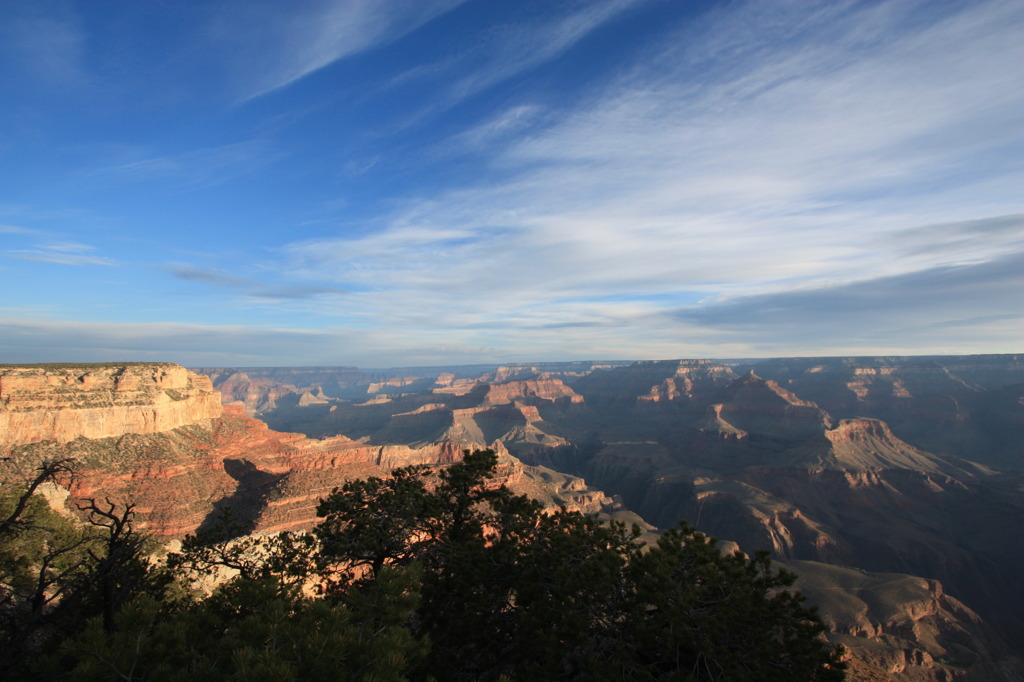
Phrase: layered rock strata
(100, 401)
(179, 479)
(157, 436)
(903, 627)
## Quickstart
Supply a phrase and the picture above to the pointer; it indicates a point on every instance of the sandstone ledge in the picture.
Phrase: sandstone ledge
(63, 402)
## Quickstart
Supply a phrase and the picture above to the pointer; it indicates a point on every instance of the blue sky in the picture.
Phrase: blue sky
(389, 182)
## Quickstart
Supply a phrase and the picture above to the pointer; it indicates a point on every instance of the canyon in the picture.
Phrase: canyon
(892, 486)
(158, 436)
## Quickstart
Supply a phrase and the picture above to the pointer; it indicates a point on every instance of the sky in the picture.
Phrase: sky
(387, 183)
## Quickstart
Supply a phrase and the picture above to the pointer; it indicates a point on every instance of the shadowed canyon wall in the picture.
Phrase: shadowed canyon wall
(889, 464)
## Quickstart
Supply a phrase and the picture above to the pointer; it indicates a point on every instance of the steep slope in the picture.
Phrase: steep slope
(755, 406)
(870, 445)
(256, 395)
(902, 627)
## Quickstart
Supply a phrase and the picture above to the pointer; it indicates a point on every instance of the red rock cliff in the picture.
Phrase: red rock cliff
(544, 389)
(62, 403)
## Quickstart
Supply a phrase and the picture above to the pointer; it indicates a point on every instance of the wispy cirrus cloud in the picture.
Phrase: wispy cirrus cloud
(201, 167)
(515, 49)
(274, 44)
(15, 229)
(755, 161)
(506, 52)
(62, 253)
(825, 147)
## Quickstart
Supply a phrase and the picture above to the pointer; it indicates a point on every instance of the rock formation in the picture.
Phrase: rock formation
(100, 401)
(530, 390)
(256, 395)
(156, 434)
(903, 627)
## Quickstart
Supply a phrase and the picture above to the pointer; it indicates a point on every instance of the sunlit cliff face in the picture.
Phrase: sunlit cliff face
(101, 401)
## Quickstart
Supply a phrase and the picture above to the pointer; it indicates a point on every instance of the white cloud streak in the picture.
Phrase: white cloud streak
(276, 44)
(15, 229)
(514, 50)
(62, 253)
(502, 54)
(202, 167)
(823, 151)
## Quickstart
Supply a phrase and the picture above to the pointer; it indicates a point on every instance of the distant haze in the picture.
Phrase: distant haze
(390, 183)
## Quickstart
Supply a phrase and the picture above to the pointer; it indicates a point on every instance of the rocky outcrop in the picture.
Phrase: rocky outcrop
(903, 627)
(959, 405)
(62, 403)
(393, 382)
(565, 371)
(256, 395)
(691, 380)
(530, 390)
(179, 478)
(272, 480)
(760, 406)
(870, 445)
(757, 459)
(661, 381)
